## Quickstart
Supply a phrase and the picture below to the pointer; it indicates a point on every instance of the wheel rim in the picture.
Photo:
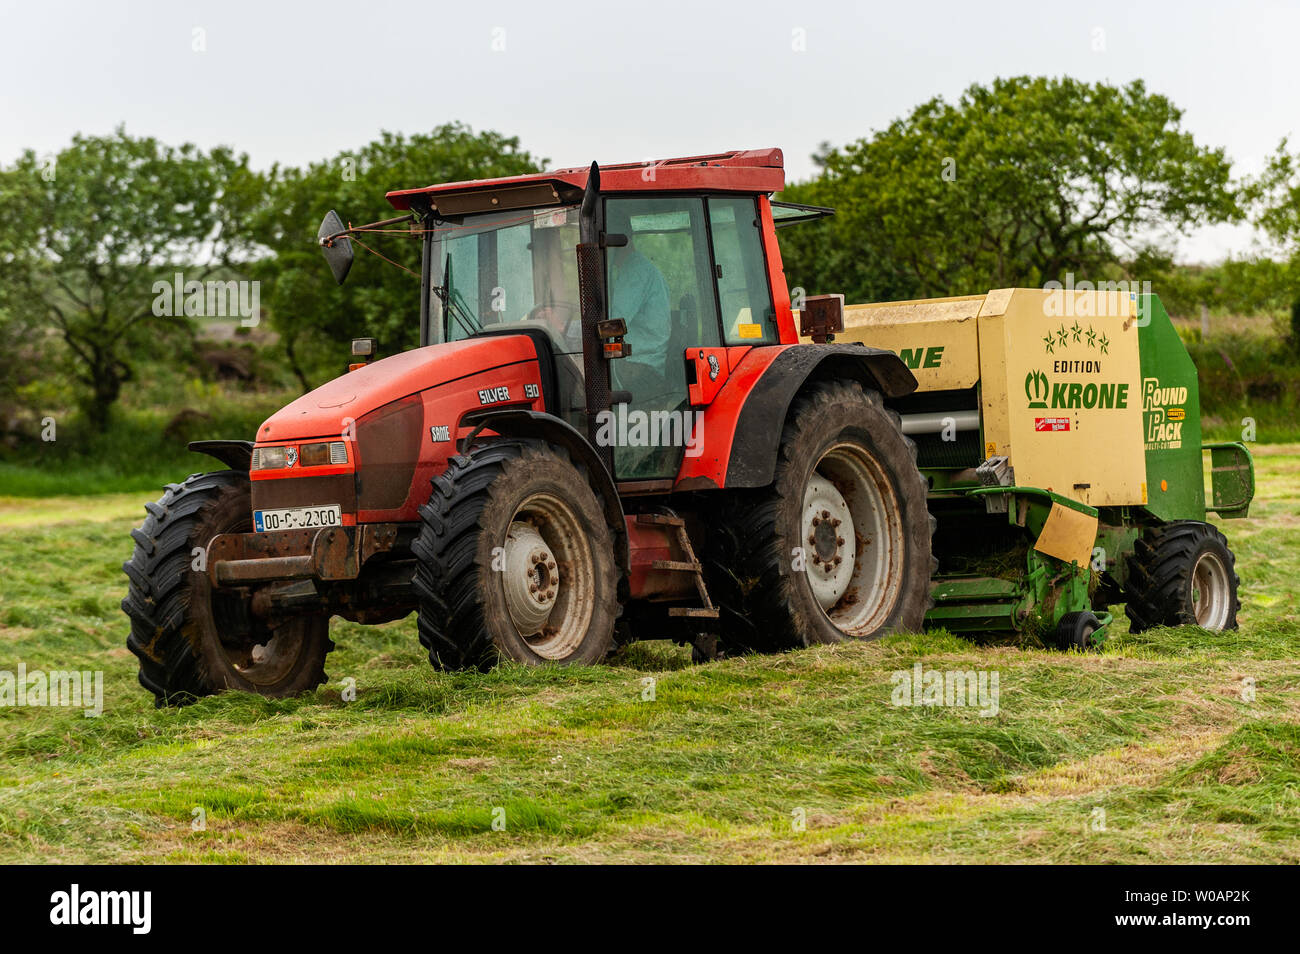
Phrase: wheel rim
(1210, 592)
(259, 653)
(852, 532)
(548, 577)
(266, 663)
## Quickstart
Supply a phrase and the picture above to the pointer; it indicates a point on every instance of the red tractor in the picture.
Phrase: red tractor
(610, 432)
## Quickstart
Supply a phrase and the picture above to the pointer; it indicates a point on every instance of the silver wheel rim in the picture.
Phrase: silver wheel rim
(1211, 593)
(853, 540)
(548, 577)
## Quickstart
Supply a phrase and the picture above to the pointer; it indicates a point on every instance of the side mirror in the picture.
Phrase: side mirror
(336, 246)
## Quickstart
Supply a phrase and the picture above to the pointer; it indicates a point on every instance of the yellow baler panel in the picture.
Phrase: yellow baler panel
(936, 337)
(1061, 392)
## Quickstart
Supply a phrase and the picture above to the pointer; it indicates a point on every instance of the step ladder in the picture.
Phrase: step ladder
(689, 565)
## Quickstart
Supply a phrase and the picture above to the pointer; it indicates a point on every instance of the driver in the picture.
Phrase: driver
(639, 295)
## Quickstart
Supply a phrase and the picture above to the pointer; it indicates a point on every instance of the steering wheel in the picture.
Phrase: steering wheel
(562, 315)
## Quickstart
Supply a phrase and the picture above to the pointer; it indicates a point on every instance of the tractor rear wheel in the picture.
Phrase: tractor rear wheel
(838, 546)
(193, 639)
(515, 560)
(1182, 574)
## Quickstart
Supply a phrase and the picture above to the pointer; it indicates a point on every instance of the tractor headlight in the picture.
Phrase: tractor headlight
(270, 458)
(325, 452)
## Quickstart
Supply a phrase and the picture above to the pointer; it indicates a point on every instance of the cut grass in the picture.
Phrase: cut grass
(1150, 751)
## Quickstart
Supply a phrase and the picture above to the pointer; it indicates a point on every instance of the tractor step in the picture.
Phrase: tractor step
(690, 565)
(659, 520)
(682, 565)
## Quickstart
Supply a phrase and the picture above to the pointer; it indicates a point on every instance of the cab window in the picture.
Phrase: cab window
(748, 317)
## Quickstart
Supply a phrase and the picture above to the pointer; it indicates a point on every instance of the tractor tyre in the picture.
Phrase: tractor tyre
(191, 638)
(1182, 574)
(515, 561)
(838, 545)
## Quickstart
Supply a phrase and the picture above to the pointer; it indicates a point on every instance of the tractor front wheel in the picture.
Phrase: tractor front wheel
(515, 560)
(193, 639)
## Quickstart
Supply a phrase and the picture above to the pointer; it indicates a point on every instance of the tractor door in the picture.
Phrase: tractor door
(744, 294)
(661, 284)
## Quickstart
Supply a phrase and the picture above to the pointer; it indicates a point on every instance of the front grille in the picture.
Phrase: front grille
(286, 492)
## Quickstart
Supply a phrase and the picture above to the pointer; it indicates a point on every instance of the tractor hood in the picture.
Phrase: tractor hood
(325, 412)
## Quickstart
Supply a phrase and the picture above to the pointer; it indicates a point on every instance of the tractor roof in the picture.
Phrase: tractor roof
(753, 171)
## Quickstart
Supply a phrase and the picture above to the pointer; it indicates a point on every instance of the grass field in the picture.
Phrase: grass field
(1147, 752)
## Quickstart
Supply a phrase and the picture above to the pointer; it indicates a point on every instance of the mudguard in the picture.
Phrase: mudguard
(237, 455)
(752, 435)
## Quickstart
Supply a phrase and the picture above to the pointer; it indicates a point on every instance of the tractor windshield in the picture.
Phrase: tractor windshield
(509, 269)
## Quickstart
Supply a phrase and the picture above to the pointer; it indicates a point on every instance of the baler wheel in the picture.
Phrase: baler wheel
(1182, 574)
(1075, 630)
(515, 560)
(193, 640)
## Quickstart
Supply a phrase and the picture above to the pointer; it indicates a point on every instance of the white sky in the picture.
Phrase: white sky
(619, 80)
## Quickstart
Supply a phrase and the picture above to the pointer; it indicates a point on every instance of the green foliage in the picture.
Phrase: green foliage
(1247, 374)
(1275, 197)
(1016, 183)
(1235, 286)
(87, 233)
(315, 317)
(144, 448)
(1013, 183)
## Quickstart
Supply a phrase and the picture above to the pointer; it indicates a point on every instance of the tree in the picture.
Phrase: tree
(1016, 183)
(86, 233)
(1275, 200)
(315, 317)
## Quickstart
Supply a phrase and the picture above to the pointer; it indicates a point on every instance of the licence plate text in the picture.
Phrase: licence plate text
(296, 518)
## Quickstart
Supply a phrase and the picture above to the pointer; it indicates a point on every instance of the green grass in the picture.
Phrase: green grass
(1145, 752)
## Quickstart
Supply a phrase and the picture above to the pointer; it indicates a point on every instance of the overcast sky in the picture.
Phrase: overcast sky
(618, 81)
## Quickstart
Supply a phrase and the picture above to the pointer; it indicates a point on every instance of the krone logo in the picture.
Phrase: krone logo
(1036, 389)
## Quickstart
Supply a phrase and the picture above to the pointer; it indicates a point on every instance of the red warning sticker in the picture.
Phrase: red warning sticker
(1051, 423)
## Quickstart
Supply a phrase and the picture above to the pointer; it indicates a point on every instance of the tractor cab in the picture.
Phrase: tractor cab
(686, 264)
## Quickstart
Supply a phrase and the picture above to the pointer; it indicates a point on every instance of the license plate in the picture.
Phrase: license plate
(297, 518)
